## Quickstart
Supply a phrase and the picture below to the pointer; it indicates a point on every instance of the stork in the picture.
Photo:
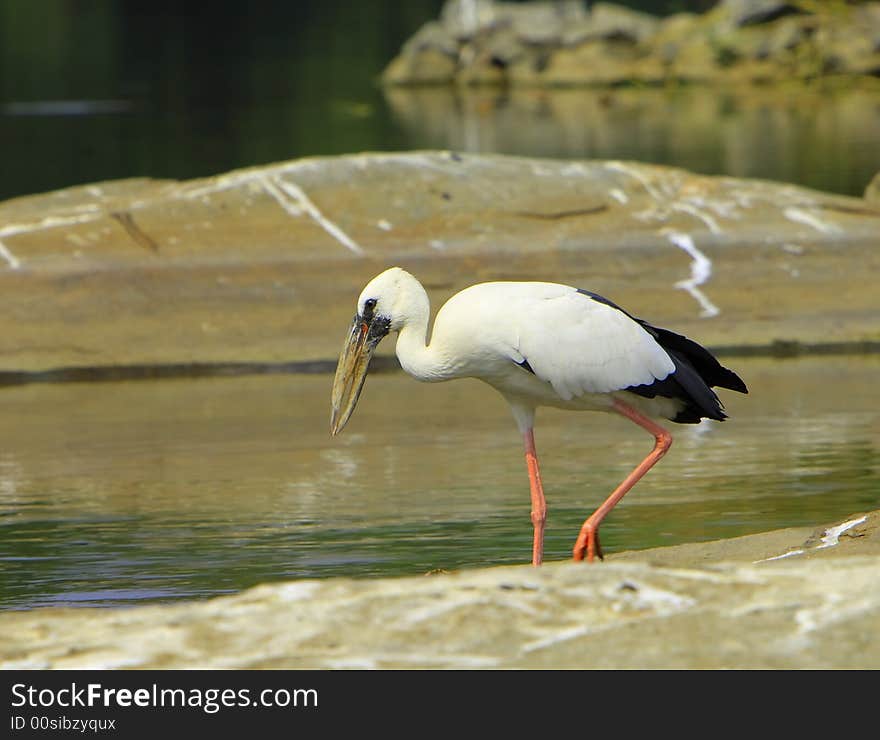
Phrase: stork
(538, 344)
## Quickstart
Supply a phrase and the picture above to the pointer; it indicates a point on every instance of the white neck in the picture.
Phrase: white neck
(421, 360)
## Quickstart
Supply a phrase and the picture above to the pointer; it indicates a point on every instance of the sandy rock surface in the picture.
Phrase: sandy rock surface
(265, 265)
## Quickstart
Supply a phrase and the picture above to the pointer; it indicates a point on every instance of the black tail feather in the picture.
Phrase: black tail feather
(713, 373)
(696, 373)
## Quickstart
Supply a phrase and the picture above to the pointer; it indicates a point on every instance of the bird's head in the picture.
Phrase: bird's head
(382, 308)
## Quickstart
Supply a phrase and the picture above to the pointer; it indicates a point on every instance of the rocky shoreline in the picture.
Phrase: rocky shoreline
(484, 42)
(792, 598)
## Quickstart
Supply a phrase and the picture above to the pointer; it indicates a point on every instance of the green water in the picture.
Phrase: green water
(152, 491)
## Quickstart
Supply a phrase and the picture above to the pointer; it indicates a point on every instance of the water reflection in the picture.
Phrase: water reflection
(822, 138)
(124, 493)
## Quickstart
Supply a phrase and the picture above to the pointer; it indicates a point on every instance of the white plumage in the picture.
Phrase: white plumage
(572, 342)
(539, 344)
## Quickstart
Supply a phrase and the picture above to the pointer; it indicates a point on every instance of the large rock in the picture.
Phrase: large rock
(548, 43)
(785, 599)
(429, 57)
(264, 265)
(751, 12)
(610, 21)
(534, 22)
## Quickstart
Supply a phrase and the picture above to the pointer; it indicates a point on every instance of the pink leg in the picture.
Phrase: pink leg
(539, 504)
(588, 539)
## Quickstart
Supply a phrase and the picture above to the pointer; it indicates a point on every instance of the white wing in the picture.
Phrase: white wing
(580, 345)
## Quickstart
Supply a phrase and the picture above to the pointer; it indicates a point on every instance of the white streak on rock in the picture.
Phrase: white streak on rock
(788, 554)
(563, 635)
(796, 214)
(271, 185)
(724, 208)
(698, 214)
(636, 175)
(832, 534)
(618, 195)
(49, 223)
(829, 539)
(224, 182)
(13, 261)
(701, 271)
(294, 200)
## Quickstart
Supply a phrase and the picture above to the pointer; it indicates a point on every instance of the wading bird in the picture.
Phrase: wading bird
(538, 344)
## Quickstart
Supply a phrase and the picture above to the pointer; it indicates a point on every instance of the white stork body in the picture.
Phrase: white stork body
(580, 351)
(538, 344)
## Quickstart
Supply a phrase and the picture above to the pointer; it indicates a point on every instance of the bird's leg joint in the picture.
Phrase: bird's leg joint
(664, 442)
(538, 516)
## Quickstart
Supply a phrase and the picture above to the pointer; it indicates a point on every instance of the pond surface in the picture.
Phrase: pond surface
(152, 491)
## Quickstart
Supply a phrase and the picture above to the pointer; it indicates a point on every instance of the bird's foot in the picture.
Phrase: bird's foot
(587, 544)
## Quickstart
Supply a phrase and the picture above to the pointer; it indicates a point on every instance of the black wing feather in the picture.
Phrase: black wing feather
(696, 372)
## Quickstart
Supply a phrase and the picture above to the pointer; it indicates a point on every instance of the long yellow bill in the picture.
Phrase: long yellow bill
(351, 372)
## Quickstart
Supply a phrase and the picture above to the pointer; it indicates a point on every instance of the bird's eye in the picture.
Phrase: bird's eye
(369, 307)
